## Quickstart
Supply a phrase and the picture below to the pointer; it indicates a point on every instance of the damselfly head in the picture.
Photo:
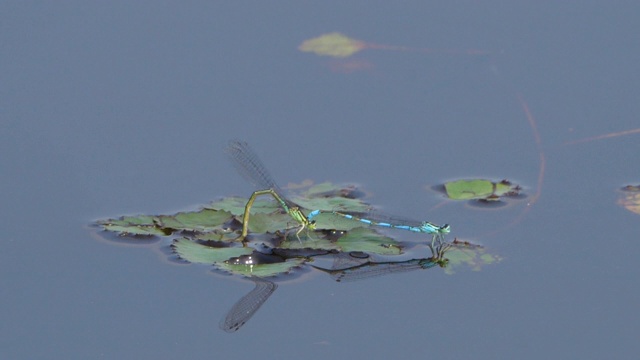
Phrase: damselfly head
(445, 229)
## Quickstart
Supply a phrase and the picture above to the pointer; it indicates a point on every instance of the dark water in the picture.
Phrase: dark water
(118, 109)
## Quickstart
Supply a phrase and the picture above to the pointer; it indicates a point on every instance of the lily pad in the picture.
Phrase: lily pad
(368, 240)
(480, 189)
(630, 198)
(308, 241)
(330, 190)
(133, 225)
(330, 221)
(203, 220)
(199, 253)
(219, 234)
(464, 254)
(235, 205)
(263, 223)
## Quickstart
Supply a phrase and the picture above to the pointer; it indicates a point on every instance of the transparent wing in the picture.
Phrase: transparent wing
(250, 167)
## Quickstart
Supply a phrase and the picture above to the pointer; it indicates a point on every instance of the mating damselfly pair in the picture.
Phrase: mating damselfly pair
(251, 168)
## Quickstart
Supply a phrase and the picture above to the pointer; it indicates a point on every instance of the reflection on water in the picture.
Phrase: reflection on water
(347, 266)
(244, 308)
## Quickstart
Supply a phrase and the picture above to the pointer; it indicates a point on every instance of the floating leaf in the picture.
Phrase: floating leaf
(203, 220)
(235, 205)
(630, 198)
(480, 189)
(469, 255)
(132, 225)
(218, 234)
(162, 225)
(308, 241)
(330, 221)
(271, 223)
(333, 44)
(330, 190)
(198, 253)
(333, 204)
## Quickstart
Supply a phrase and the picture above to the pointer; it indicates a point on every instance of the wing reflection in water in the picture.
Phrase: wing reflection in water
(244, 309)
(347, 266)
(361, 267)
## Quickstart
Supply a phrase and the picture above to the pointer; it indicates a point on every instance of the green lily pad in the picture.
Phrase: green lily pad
(330, 221)
(480, 189)
(203, 220)
(263, 223)
(198, 253)
(309, 240)
(218, 234)
(333, 204)
(132, 225)
(361, 239)
(327, 189)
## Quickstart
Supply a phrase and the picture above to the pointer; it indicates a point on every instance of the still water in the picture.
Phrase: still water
(113, 109)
